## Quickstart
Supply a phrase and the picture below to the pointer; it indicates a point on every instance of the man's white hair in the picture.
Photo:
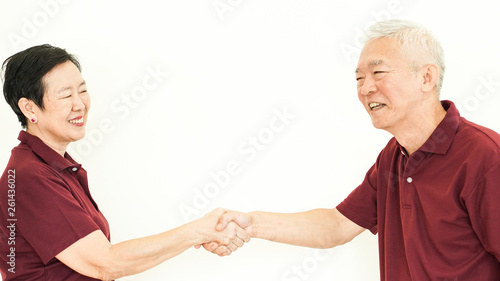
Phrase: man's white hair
(417, 43)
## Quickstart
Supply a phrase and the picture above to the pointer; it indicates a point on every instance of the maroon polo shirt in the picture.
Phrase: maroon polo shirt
(45, 206)
(436, 211)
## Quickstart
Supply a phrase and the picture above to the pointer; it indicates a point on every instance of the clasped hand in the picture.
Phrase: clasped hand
(231, 231)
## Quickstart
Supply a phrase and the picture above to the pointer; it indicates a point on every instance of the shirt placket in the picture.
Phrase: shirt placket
(405, 182)
(406, 194)
(80, 176)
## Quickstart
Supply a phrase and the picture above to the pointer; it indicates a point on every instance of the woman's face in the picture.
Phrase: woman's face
(66, 102)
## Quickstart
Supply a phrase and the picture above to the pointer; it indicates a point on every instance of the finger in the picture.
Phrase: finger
(225, 219)
(242, 234)
(197, 246)
(238, 242)
(220, 251)
(232, 247)
(211, 246)
(239, 233)
(231, 233)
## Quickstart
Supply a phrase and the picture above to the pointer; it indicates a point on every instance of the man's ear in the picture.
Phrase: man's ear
(27, 108)
(430, 74)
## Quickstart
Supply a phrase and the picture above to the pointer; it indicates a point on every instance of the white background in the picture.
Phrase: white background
(229, 71)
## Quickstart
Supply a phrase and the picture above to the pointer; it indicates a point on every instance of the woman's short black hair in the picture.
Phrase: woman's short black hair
(24, 72)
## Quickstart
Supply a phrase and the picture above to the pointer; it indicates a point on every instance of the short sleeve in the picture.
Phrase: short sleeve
(483, 206)
(48, 215)
(361, 205)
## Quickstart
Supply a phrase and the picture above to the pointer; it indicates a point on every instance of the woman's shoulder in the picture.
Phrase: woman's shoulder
(24, 162)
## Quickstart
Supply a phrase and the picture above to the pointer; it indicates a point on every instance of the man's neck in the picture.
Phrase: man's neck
(417, 131)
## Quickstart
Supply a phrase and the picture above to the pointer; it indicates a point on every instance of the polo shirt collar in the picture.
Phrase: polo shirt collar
(47, 154)
(440, 140)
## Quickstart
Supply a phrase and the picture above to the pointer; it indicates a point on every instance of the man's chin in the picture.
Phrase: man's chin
(379, 125)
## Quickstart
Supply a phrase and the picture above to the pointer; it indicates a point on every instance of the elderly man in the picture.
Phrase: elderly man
(433, 194)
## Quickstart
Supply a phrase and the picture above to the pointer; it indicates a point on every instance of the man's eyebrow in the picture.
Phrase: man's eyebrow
(371, 64)
(375, 63)
(69, 88)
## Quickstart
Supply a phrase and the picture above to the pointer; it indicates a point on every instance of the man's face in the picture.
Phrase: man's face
(387, 88)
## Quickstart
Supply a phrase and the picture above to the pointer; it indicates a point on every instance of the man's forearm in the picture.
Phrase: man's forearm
(318, 228)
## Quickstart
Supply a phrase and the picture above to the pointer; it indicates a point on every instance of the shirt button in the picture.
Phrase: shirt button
(409, 179)
(74, 169)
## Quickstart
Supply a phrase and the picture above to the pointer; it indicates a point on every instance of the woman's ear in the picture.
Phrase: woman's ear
(27, 108)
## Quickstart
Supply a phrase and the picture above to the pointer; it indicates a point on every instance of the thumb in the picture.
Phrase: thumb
(225, 219)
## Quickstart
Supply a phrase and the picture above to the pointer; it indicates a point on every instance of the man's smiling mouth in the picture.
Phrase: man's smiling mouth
(375, 105)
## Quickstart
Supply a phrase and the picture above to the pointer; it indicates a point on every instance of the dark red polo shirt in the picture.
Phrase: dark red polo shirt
(45, 206)
(437, 211)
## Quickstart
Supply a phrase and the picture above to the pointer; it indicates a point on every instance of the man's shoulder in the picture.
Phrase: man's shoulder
(470, 133)
(476, 144)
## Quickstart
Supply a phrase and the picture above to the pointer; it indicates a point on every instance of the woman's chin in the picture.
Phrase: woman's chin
(78, 135)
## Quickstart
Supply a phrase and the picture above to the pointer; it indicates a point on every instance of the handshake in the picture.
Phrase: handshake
(223, 232)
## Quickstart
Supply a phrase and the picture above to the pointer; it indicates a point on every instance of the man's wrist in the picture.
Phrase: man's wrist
(256, 225)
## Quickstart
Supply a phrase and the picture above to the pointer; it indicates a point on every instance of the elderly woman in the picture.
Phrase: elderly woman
(54, 229)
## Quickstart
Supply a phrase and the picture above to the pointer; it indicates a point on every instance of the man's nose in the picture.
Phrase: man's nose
(368, 86)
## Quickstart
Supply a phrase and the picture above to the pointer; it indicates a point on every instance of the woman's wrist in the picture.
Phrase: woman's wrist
(194, 233)
(203, 230)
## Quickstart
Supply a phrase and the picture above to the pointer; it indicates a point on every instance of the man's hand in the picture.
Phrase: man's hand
(243, 220)
(317, 228)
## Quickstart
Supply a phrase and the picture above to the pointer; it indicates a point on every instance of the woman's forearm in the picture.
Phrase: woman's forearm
(95, 257)
(137, 255)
